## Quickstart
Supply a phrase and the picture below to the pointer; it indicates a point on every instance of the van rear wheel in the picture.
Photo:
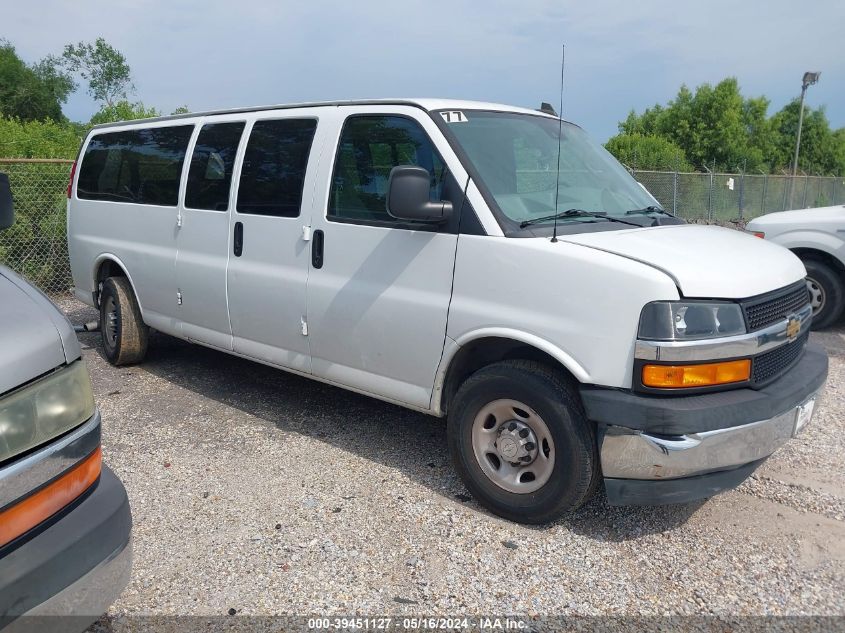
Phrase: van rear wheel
(521, 443)
(124, 333)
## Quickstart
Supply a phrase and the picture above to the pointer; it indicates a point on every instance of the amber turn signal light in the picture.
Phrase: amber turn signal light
(38, 507)
(706, 375)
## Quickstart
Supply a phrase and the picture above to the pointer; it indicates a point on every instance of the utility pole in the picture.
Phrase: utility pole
(809, 79)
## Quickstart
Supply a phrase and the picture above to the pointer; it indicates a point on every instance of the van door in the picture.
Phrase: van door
(268, 255)
(203, 237)
(379, 288)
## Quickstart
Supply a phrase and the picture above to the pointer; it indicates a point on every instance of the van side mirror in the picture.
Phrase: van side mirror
(7, 207)
(408, 197)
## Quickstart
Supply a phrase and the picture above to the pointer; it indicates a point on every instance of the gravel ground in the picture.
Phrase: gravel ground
(264, 493)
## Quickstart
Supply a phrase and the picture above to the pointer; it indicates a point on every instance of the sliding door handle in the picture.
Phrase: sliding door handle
(317, 242)
(238, 242)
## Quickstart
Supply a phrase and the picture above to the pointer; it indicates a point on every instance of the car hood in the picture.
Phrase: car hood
(703, 261)
(34, 336)
(803, 217)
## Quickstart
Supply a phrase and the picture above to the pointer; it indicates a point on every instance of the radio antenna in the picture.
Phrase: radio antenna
(559, 135)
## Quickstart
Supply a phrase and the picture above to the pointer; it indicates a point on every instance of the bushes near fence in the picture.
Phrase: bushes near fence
(36, 245)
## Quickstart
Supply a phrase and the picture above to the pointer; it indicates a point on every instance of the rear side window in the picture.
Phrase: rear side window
(274, 166)
(210, 174)
(370, 147)
(137, 166)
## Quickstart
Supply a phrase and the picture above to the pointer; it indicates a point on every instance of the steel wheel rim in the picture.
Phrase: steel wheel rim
(817, 297)
(497, 437)
(110, 322)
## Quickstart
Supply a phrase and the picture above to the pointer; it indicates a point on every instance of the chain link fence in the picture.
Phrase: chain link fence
(36, 246)
(723, 197)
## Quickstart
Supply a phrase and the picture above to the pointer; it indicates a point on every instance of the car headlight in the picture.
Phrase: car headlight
(45, 409)
(690, 320)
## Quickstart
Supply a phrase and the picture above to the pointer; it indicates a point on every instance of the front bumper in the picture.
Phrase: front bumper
(67, 574)
(673, 449)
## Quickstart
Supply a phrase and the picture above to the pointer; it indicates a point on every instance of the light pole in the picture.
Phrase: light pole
(809, 79)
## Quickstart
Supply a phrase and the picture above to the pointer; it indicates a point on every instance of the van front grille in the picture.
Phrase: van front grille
(768, 366)
(773, 307)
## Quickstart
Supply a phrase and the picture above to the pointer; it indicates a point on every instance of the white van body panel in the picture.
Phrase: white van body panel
(821, 229)
(563, 298)
(705, 261)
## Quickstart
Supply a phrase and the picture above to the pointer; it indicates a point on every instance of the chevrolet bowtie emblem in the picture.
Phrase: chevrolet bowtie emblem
(793, 326)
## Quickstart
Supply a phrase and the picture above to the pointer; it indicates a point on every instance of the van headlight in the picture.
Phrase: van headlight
(45, 409)
(690, 320)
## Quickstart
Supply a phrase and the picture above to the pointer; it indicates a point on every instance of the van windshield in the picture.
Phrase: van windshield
(516, 157)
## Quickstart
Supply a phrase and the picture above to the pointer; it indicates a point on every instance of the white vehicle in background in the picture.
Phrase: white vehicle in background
(817, 236)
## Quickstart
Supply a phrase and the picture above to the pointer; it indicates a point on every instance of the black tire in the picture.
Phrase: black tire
(575, 473)
(124, 333)
(825, 284)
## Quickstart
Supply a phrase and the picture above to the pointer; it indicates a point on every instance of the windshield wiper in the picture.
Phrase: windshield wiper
(649, 209)
(576, 213)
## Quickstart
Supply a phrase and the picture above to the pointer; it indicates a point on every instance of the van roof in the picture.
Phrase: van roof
(425, 104)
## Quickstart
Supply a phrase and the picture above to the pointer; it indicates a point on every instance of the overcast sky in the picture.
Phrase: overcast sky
(619, 55)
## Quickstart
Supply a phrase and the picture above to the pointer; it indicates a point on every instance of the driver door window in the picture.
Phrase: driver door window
(370, 147)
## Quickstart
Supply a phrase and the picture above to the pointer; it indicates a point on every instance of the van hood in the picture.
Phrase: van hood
(34, 336)
(704, 261)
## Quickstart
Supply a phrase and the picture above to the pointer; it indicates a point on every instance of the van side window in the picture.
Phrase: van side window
(370, 146)
(137, 166)
(210, 174)
(274, 166)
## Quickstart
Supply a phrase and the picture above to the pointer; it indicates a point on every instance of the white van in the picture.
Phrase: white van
(409, 250)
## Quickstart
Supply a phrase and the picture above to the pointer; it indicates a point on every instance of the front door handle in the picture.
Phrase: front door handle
(239, 239)
(317, 249)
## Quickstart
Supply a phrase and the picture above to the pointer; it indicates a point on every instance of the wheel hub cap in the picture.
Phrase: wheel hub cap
(110, 326)
(513, 446)
(816, 295)
(516, 443)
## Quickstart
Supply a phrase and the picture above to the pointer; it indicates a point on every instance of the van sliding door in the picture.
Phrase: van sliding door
(203, 234)
(268, 259)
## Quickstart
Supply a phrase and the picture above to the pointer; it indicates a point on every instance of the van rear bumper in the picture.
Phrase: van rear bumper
(672, 449)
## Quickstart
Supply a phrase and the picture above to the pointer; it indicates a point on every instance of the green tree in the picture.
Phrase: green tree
(102, 66)
(761, 139)
(819, 144)
(123, 110)
(31, 92)
(714, 124)
(38, 139)
(839, 150)
(643, 151)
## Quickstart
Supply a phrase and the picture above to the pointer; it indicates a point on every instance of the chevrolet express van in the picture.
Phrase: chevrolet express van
(436, 255)
(65, 524)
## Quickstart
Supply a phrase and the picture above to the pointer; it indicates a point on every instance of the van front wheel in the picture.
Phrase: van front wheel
(124, 333)
(521, 443)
